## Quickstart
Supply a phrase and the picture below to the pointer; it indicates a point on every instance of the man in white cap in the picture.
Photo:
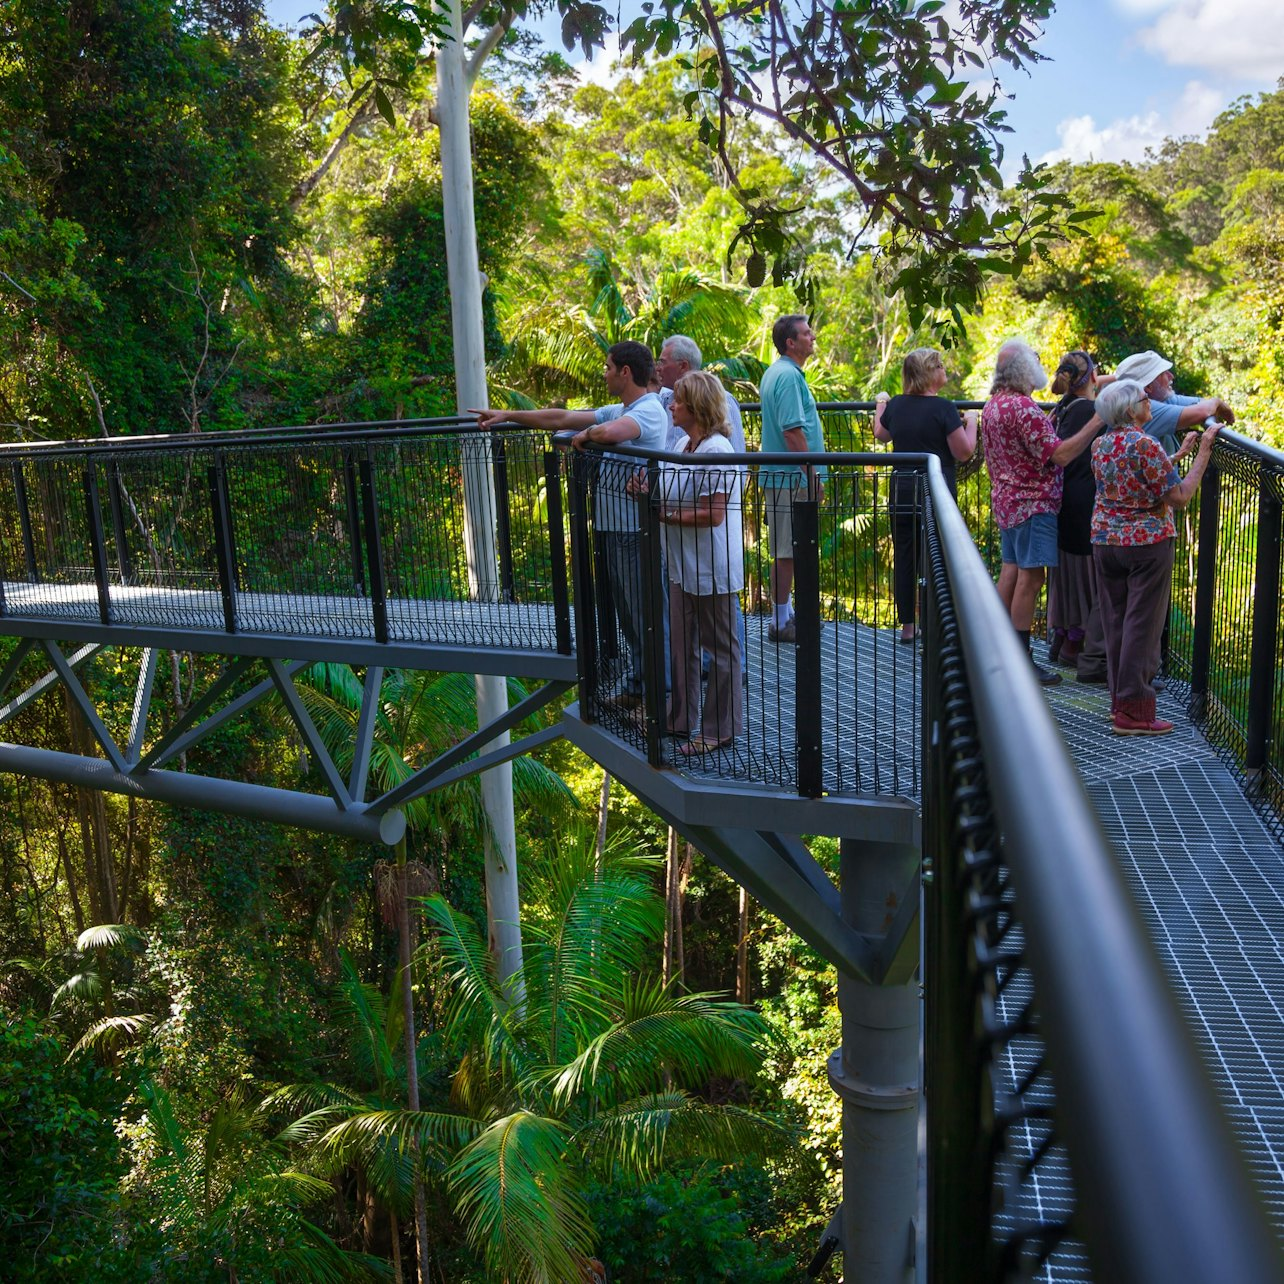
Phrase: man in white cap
(1170, 412)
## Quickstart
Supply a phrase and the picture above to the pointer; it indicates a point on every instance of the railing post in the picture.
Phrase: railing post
(97, 542)
(582, 562)
(557, 551)
(1266, 623)
(807, 658)
(1201, 643)
(374, 548)
(652, 549)
(503, 518)
(118, 522)
(24, 522)
(353, 509)
(221, 511)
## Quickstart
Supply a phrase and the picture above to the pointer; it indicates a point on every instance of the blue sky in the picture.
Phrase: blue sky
(1123, 75)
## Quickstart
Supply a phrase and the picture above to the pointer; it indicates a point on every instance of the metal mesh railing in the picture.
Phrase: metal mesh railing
(427, 534)
(1224, 639)
(826, 703)
(1072, 1132)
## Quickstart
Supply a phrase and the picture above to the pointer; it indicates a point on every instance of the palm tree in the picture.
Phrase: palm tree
(419, 716)
(600, 1070)
(557, 351)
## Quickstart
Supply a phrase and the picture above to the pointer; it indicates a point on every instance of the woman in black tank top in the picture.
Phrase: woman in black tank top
(919, 421)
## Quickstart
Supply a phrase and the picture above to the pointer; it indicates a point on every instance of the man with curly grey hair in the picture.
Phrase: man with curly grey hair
(1024, 457)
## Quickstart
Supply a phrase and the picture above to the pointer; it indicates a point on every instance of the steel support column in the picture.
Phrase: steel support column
(876, 1071)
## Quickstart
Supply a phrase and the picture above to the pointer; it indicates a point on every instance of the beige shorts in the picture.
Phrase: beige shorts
(778, 508)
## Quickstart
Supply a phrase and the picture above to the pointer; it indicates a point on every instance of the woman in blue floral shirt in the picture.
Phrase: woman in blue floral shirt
(1138, 486)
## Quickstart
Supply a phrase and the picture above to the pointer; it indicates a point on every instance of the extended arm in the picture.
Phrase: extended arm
(1181, 495)
(962, 441)
(880, 404)
(1208, 408)
(1071, 447)
(614, 432)
(553, 419)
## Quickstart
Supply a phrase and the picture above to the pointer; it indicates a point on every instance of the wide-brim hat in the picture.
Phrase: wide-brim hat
(1144, 367)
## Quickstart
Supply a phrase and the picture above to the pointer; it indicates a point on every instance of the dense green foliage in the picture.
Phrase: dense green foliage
(207, 224)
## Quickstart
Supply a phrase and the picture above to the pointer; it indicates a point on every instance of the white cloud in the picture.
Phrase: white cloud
(1127, 138)
(1242, 39)
(605, 68)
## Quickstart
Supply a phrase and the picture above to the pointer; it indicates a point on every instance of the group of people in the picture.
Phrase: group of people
(1083, 499)
(671, 404)
(1095, 524)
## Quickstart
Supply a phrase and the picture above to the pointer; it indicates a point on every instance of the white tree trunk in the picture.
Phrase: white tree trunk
(502, 904)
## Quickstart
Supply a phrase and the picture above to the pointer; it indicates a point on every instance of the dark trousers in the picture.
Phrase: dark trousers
(707, 621)
(905, 542)
(1133, 586)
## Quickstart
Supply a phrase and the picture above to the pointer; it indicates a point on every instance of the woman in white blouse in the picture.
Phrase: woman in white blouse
(701, 511)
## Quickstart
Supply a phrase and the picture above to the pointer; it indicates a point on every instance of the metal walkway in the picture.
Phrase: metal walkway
(1207, 878)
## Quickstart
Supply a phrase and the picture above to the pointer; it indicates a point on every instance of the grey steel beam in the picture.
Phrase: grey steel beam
(84, 704)
(484, 762)
(511, 662)
(14, 663)
(193, 725)
(206, 793)
(794, 851)
(142, 706)
(308, 730)
(41, 685)
(425, 778)
(366, 723)
(753, 861)
(737, 805)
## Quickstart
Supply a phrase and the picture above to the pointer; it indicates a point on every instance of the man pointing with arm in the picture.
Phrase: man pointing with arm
(637, 419)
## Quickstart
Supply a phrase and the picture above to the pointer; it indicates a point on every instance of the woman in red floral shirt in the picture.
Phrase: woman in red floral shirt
(1138, 486)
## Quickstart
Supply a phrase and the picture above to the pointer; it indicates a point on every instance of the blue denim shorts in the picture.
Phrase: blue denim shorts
(1033, 543)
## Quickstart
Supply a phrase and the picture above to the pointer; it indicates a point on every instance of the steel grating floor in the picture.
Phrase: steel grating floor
(1207, 875)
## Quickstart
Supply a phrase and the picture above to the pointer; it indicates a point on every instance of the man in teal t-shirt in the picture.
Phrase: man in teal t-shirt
(790, 422)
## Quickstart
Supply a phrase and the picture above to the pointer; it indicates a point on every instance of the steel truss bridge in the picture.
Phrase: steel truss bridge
(1059, 950)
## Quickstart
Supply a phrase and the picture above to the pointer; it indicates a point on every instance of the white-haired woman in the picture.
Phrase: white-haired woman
(1138, 487)
(921, 421)
(700, 506)
(1024, 457)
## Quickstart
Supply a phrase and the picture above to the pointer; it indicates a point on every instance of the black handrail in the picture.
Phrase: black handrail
(1163, 1193)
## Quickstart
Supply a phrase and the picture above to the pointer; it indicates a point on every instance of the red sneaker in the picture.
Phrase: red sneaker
(1123, 725)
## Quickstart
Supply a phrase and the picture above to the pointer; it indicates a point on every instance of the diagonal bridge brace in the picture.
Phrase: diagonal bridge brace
(783, 876)
(457, 762)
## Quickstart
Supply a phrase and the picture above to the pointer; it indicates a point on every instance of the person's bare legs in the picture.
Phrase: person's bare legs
(1025, 593)
(782, 580)
(1007, 584)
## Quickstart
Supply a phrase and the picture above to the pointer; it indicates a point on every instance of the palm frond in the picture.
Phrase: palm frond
(690, 1037)
(432, 1132)
(83, 987)
(109, 1033)
(307, 1098)
(641, 1135)
(478, 1010)
(111, 936)
(516, 1191)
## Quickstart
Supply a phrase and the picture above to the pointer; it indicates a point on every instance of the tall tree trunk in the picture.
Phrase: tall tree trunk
(742, 950)
(405, 951)
(603, 813)
(454, 88)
